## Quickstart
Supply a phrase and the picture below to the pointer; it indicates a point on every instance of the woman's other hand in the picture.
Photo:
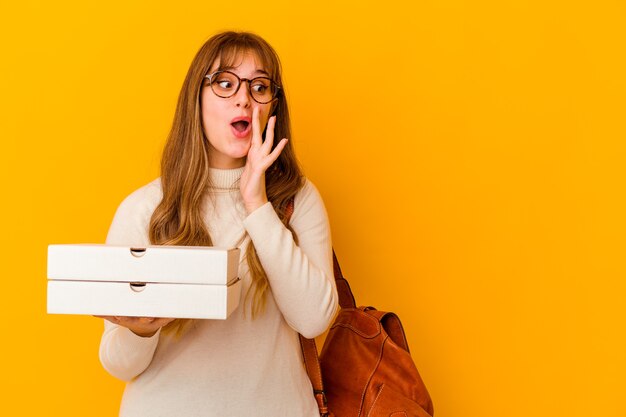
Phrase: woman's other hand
(260, 158)
(141, 326)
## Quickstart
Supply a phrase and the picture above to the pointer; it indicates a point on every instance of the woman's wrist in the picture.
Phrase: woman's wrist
(253, 205)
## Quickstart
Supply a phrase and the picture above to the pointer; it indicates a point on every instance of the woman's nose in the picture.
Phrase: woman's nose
(242, 98)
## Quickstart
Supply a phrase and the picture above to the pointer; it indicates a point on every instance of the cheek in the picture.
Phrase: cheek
(210, 114)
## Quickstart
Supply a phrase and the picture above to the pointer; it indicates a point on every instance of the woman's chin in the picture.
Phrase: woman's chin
(231, 154)
(239, 155)
(241, 150)
(234, 158)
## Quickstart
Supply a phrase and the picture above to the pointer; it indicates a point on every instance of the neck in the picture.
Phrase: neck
(224, 178)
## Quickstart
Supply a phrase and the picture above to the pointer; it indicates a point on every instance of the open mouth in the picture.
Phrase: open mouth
(240, 125)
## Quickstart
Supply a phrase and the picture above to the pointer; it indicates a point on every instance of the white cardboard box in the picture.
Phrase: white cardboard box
(154, 281)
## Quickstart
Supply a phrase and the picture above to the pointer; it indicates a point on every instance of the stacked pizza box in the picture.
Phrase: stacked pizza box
(197, 282)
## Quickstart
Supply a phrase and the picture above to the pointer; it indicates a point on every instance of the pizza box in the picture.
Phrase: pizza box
(154, 281)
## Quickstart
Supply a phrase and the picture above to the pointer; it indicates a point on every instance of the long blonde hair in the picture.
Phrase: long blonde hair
(177, 220)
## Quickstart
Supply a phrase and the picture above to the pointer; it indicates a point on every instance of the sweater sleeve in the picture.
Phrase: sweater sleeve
(123, 353)
(300, 275)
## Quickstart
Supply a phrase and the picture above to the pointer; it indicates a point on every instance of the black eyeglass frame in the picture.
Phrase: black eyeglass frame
(241, 80)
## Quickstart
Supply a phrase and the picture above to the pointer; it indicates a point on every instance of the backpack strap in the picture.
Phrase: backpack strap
(312, 365)
(346, 298)
(309, 348)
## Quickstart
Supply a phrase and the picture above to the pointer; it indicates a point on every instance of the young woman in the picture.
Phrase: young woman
(228, 170)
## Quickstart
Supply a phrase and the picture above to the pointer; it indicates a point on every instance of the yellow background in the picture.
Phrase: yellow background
(470, 154)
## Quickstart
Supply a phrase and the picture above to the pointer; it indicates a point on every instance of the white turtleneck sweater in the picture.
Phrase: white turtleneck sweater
(239, 366)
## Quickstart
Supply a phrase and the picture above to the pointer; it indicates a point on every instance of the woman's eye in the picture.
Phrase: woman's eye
(224, 84)
(259, 88)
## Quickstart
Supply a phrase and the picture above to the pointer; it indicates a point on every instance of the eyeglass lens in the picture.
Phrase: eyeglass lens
(225, 84)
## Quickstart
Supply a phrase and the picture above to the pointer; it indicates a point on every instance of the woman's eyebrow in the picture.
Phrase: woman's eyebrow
(260, 71)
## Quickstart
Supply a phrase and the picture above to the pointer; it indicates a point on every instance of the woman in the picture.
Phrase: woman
(226, 182)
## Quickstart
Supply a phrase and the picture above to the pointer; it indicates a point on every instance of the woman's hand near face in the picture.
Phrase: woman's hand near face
(260, 158)
(141, 326)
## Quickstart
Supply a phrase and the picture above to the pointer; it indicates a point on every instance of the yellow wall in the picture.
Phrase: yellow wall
(469, 155)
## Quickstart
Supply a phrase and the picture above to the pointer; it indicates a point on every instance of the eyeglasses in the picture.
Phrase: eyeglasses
(226, 84)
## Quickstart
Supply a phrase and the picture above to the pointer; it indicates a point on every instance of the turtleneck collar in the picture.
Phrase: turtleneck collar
(225, 179)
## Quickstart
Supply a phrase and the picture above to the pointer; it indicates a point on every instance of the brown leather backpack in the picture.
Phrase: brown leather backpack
(365, 368)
